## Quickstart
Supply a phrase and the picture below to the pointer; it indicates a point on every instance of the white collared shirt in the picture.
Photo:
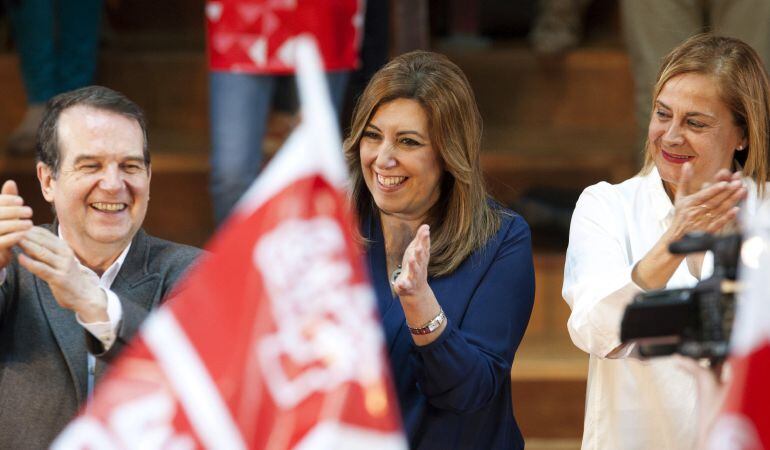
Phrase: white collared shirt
(630, 404)
(105, 331)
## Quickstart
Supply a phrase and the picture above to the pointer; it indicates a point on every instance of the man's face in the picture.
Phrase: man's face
(101, 191)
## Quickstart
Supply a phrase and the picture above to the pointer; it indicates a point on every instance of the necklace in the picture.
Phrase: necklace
(394, 275)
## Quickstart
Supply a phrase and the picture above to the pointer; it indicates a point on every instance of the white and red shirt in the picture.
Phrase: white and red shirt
(258, 36)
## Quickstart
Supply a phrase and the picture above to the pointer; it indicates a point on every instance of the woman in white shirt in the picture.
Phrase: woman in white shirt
(710, 116)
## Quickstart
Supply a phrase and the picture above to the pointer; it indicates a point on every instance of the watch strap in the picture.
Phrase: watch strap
(431, 326)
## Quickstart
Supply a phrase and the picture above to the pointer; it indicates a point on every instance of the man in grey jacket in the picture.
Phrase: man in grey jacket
(73, 293)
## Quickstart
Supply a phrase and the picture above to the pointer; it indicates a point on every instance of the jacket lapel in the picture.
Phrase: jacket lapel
(66, 331)
(69, 336)
(135, 271)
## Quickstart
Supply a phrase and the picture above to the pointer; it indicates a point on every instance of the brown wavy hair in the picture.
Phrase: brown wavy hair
(743, 85)
(463, 219)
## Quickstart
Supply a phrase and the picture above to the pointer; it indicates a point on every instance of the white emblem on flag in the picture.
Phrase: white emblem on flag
(325, 324)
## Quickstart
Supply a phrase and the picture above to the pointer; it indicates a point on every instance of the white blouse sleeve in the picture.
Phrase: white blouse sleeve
(597, 274)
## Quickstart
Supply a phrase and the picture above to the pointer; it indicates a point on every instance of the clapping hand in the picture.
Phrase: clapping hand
(413, 279)
(53, 261)
(707, 208)
(417, 299)
(48, 257)
(14, 220)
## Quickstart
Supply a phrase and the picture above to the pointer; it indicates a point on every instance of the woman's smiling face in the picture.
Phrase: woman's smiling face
(691, 123)
(401, 168)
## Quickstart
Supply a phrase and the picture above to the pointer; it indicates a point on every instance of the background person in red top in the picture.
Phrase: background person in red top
(250, 48)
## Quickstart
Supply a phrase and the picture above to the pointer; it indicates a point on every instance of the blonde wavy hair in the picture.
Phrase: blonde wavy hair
(463, 219)
(743, 86)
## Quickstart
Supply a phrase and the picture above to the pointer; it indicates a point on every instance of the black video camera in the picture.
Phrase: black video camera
(694, 322)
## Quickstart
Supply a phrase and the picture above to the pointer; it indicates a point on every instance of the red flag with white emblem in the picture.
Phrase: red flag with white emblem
(744, 423)
(272, 340)
(258, 36)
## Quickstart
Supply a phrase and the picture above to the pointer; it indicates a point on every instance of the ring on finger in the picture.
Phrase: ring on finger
(706, 210)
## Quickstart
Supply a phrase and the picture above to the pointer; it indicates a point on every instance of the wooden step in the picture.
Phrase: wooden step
(171, 87)
(590, 89)
(547, 352)
(148, 16)
(552, 444)
(548, 377)
(568, 123)
(13, 101)
(549, 408)
(566, 159)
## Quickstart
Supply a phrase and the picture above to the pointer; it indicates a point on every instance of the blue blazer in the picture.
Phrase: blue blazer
(455, 393)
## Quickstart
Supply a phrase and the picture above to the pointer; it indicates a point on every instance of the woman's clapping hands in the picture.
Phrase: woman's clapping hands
(707, 208)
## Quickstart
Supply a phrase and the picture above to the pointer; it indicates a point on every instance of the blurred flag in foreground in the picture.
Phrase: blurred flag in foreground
(744, 423)
(272, 341)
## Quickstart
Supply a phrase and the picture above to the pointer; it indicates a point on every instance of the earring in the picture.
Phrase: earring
(740, 148)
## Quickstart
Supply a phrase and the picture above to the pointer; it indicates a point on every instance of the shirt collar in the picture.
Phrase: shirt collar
(109, 275)
(661, 205)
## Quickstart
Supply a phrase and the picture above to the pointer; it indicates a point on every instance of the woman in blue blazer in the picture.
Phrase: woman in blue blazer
(452, 269)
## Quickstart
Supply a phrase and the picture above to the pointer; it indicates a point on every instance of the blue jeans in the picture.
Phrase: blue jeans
(239, 107)
(57, 42)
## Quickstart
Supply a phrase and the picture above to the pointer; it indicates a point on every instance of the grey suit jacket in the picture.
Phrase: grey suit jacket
(43, 350)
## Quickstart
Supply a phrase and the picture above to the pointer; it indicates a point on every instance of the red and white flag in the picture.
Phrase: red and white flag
(272, 341)
(744, 423)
